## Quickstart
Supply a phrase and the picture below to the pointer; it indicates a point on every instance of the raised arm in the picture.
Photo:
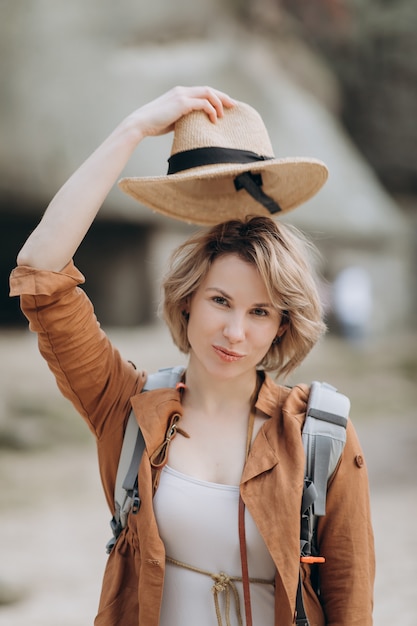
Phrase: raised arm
(71, 212)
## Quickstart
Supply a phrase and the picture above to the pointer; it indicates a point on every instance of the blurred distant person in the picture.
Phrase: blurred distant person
(352, 303)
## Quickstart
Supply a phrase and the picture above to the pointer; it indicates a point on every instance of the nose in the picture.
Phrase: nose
(234, 329)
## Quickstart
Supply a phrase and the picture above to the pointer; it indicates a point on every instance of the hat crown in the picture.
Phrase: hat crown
(240, 128)
(226, 170)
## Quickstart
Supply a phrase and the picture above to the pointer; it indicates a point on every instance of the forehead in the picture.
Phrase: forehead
(236, 277)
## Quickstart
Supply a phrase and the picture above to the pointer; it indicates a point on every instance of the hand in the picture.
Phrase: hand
(159, 116)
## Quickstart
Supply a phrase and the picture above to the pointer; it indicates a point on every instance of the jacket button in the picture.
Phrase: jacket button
(359, 460)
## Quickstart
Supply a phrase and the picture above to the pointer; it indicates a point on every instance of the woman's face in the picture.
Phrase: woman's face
(232, 322)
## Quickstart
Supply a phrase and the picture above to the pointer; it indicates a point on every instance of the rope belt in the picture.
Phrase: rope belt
(222, 584)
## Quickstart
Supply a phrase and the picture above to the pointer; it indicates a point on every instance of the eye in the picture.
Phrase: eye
(220, 300)
(260, 312)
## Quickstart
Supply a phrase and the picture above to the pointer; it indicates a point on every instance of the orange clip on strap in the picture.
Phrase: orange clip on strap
(180, 386)
(312, 559)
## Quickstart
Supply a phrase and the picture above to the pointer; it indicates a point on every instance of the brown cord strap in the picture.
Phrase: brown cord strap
(244, 561)
(222, 584)
(242, 534)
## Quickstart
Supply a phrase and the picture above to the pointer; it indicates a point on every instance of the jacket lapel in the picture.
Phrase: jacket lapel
(272, 482)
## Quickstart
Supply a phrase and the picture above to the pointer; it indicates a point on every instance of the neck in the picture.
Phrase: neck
(213, 395)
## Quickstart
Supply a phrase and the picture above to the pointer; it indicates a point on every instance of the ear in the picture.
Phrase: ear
(282, 329)
(185, 308)
(284, 325)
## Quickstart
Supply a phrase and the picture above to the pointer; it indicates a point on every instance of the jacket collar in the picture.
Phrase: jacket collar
(154, 411)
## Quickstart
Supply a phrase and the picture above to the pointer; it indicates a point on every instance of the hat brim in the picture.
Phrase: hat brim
(207, 195)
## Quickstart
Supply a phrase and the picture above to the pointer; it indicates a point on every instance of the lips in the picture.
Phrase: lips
(228, 355)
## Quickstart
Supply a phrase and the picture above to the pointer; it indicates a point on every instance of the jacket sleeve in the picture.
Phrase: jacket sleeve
(345, 538)
(89, 371)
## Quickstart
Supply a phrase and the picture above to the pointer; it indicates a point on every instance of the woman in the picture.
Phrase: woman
(240, 299)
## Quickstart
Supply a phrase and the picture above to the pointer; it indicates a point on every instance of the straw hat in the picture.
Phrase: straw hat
(226, 170)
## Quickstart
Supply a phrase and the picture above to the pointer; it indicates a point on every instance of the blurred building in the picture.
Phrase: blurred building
(71, 71)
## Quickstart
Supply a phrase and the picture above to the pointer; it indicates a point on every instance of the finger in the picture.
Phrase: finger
(226, 100)
(211, 101)
(216, 102)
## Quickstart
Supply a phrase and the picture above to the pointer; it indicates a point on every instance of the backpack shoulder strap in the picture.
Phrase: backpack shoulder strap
(126, 495)
(164, 377)
(324, 438)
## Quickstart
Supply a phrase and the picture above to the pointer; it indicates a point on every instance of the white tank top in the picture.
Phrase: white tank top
(198, 523)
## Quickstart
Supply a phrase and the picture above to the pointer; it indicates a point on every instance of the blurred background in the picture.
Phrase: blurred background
(332, 79)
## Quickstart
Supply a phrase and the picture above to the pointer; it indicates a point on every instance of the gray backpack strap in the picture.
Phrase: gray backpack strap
(126, 495)
(164, 377)
(324, 437)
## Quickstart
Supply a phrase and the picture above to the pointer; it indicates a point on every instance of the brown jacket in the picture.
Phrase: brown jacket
(103, 387)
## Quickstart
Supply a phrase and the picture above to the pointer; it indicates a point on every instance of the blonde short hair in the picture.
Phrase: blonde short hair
(283, 258)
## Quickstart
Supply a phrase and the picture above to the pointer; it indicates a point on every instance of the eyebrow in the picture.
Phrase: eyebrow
(260, 305)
